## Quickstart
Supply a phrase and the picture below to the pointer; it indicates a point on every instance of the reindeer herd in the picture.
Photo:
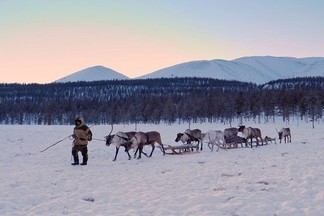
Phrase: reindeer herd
(229, 138)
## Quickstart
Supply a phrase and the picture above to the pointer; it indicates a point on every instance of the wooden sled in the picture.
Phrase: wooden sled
(269, 139)
(185, 148)
(229, 146)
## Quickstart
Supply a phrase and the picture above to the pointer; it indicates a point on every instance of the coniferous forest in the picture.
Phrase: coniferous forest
(166, 100)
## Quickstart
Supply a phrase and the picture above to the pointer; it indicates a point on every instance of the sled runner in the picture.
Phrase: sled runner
(231, 145)
(179, 149)
(270, 139)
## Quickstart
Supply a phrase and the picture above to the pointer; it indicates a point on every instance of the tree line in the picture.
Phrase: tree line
(161, 100)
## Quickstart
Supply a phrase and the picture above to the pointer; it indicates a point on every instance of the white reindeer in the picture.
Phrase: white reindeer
(285, 133)
(120, 139)
(213, 137)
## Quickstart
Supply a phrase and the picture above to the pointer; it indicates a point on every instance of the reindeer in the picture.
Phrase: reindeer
(285, 133)
(234, 140)
(149, 138)
(228, 132)
(250, 133)
(213, 137)
(119, 139)
(190, 136)
(183, 137)
(268, 139)
(186, 138)
(195, 135)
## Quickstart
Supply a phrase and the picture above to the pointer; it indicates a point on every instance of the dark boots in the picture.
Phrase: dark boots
(83, 163)
(84, 152)
(75, 157)
(75, 163)
(85, 160)
(76, 160)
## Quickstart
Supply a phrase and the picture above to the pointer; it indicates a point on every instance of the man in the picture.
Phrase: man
(81, 134)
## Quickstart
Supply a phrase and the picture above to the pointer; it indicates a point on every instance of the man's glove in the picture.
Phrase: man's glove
(89, 137)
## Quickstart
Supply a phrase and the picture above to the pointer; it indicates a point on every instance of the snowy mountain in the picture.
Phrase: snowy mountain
(95, 73)
(257, 69)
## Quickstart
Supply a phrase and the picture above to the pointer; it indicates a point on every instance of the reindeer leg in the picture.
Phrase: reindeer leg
(163, 150)
(218, 144)
(144, 152)
(140, 148)
(209, 146)
(153, 147)
(129, 156)
(136, 152)
(116, 153)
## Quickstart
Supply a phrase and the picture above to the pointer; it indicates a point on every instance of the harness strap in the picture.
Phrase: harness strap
(147, 138)
(192, 137)
(136, 139)
(124, 138)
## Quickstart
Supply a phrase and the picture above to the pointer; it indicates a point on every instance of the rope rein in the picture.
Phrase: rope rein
(98, 139)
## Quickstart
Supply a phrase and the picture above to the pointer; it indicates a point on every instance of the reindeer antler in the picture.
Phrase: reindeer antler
(112, 128)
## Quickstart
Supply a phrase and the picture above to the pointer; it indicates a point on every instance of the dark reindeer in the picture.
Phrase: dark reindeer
(228, 132)
(149, 138)
(235, 140)
(250, 133)
(285, 133)
(184, 138)
(190, 136)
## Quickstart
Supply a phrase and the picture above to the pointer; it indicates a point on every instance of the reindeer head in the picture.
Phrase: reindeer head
(179, 135)
(280, 135)
(109, 137)
(241, 128)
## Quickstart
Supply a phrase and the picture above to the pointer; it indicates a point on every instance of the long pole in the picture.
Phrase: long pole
(59, 141)
(56, 143)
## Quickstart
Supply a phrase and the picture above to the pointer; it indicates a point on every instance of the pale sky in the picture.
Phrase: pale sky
(44, 40)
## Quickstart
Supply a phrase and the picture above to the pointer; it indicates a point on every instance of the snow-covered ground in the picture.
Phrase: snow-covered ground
(277, 179)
